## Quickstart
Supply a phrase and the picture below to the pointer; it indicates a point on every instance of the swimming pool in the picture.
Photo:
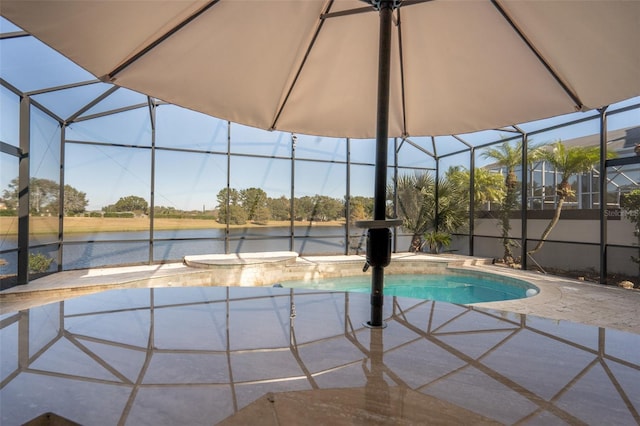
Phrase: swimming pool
(453, 288)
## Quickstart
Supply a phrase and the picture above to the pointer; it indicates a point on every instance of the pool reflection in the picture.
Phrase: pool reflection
(205, 354)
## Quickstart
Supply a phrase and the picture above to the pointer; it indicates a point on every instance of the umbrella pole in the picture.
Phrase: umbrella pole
(379, 237)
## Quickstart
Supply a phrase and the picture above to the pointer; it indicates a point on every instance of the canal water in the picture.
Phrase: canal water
(121, 248)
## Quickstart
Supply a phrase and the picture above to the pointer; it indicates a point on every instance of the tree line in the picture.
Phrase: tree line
(43, 198)
(44, 195)
(239, 206)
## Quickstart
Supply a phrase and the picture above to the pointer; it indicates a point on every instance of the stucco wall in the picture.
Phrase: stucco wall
(562, 255)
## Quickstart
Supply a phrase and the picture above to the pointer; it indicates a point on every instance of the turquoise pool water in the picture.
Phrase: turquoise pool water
(461, 289)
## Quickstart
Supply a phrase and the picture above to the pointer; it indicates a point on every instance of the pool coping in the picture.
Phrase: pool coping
(559, 298)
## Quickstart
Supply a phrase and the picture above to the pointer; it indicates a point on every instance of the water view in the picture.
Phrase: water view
(93, 249)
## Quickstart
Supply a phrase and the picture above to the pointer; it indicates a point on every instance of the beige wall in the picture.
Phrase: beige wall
(564, 256)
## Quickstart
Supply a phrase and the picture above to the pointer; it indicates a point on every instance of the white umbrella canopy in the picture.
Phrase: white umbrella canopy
(310, 66)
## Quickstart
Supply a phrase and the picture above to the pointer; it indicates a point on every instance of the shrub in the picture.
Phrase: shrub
(119, 214)
(39, 262)
(437, 241)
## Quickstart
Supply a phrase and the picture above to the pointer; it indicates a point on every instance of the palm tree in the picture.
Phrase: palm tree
(414, 193)
(417, 206)
(568, 161)
(488, 186)
(452, 210)
(508, 156)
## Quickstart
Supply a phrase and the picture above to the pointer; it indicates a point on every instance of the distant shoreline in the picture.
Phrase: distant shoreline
(80, 225)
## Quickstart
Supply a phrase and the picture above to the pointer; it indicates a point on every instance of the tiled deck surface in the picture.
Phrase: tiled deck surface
(163, 352)
(560, 298)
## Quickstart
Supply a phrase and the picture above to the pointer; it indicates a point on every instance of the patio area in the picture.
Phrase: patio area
(560, 298)
(168, 346)
(167, 177)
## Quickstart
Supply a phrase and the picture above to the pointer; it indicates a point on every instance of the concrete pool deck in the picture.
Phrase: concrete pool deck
(559, 298)
(237, 351)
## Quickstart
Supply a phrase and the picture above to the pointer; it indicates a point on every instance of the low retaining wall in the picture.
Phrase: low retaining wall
(269, 268)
